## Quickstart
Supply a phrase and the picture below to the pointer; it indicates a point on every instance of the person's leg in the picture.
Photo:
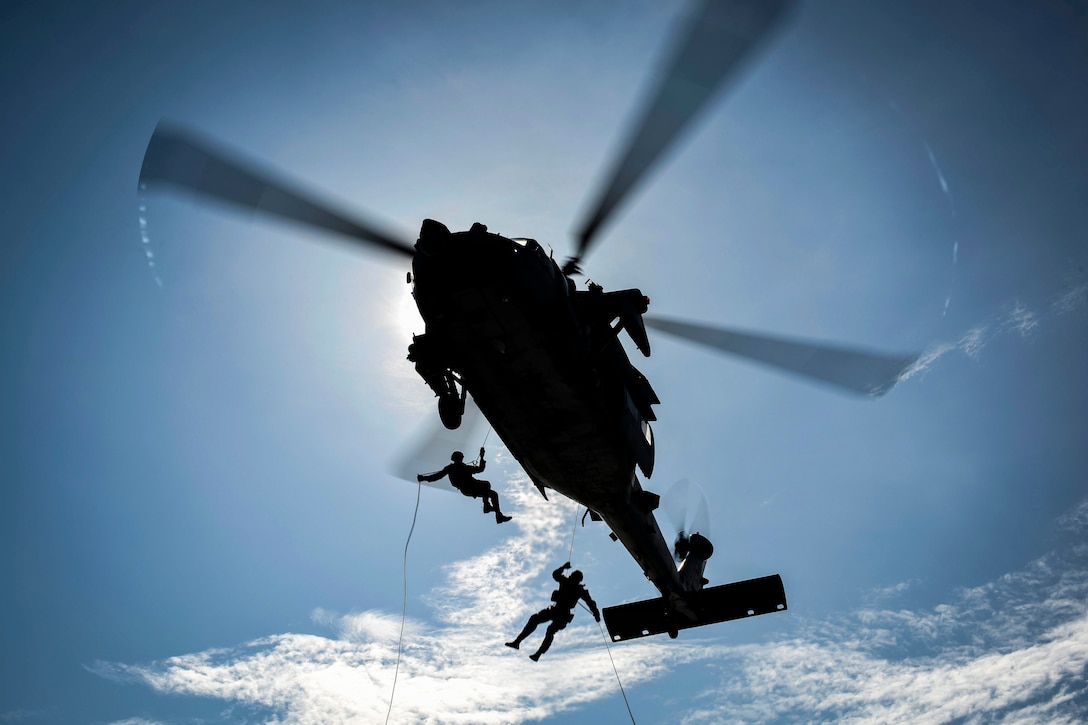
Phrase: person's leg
(494, 499)
(549, 635)
(482, 489)
(530, 626)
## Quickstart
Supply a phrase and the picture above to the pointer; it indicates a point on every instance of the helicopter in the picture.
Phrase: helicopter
(543, 360)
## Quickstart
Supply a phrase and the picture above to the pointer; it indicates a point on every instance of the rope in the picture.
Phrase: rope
(618, 681)
(404, 608)
(607, 647)
(484, 444)
(404, 611)
(572, 533)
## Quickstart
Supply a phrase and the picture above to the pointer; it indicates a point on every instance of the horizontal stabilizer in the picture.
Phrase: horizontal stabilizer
(709, 606)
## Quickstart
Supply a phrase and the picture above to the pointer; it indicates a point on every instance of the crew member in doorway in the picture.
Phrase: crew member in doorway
(561, 613)
(460, 474)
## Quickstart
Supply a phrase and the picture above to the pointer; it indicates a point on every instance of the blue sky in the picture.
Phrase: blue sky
(201, 412)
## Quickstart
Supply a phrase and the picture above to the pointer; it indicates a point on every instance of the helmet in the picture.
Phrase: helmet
(457, 456)
(576, 575)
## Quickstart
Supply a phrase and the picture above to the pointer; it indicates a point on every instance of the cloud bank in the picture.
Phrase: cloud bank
(1013, 650)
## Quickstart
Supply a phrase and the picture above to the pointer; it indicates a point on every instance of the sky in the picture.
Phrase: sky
(202, 413)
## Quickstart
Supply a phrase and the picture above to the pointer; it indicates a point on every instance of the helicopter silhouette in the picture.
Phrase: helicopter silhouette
(543, 359)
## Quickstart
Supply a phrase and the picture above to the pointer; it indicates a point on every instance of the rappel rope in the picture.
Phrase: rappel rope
(607, 646)
(404, 606)
(623, 692)
(484, 444)
(572, 533)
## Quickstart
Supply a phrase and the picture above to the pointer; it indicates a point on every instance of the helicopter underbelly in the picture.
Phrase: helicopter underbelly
(535, 389)
(535, 385)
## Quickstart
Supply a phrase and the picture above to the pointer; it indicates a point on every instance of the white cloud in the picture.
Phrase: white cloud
(453, 671)
(940, 178)
(1071, 299)
(1021, 319)
(1017, 318)
(832, 679)
(1015, 650)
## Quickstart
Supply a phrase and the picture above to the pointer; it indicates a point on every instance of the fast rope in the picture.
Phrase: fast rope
(404, 607)
(607, 647)
(484, 444)
(623, 692)
(572, 533)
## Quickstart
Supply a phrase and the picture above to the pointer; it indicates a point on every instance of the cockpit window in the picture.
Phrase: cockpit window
(522, 241)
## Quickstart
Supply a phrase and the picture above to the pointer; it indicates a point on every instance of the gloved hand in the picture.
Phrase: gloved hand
(481, 452)
(419, 477)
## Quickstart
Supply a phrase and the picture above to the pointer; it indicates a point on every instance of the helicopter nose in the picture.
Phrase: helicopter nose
(434, 237)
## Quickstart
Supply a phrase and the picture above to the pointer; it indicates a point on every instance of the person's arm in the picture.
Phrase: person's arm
(431, 477)
(592, 604)
(480, 467)
(558, 573)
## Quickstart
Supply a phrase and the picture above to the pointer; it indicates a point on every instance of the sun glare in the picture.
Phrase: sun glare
(397, 319)
(406, 318)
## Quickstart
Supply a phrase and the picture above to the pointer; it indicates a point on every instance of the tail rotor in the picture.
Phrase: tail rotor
(686, 506)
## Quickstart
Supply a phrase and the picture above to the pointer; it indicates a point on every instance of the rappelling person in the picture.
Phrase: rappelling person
(561, 613)
(460, 474)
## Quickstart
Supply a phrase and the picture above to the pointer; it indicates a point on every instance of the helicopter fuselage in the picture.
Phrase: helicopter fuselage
(544, 363)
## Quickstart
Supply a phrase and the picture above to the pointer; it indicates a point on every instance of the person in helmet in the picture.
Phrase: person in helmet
(460, 474)
(561, 613)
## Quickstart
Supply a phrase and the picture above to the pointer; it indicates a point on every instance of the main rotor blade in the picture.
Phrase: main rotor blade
(718, 37)
(176, 158)
(856, 371)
